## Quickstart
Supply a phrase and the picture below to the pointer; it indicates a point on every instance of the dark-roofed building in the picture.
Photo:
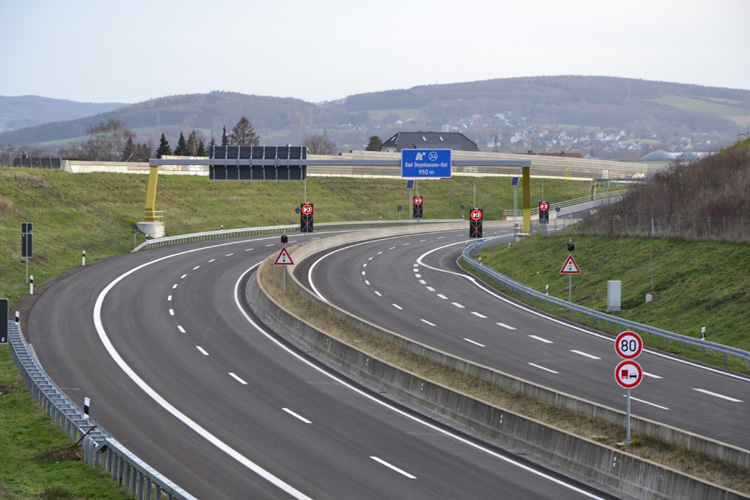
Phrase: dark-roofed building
(429, 140)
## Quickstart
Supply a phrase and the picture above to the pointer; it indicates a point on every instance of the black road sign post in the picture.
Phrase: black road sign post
(3, 321)
(544, 212)
(418, 203)
(475, 223)
(26, 245)
(306, 218)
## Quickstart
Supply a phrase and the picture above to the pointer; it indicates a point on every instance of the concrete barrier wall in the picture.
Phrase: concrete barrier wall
(558, 449)
(656, 430)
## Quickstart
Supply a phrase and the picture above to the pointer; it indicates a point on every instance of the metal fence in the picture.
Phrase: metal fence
(99, 448)
(231, 233)
(624, 324)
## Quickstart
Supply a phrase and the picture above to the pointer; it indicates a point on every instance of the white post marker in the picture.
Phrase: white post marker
(83, 259)
(31, 285)
(86, 403)
(628, 373)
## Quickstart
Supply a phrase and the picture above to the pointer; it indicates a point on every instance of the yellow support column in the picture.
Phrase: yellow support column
(153, 177)
(526, 199)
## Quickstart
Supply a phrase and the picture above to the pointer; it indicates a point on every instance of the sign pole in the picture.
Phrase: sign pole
(283, 283)
(570, 288)
(627, 422)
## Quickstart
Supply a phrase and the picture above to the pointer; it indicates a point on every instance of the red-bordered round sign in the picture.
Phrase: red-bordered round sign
(628, 345)
(307, 209)
(418, 200)
(476, 214)
(544, 206)
(628, 374)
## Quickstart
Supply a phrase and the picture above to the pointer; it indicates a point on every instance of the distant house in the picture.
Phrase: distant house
(561, 153)
(429, 140)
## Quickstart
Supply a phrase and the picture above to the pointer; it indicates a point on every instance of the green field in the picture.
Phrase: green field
(699, 285)
(739, 115)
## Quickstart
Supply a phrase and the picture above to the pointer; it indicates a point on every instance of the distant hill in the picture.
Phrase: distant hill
(598, 116)
(30, 110)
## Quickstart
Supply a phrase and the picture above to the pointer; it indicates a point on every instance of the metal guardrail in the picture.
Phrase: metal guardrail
(532, 295)
(99, 448)
(231, 233)
(615, 195)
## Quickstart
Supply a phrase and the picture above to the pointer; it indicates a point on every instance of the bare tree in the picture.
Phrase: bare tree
(243, 134)
(319, 145)
(107, 141)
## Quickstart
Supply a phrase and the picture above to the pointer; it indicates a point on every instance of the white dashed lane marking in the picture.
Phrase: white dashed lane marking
(585, 355)
(540, 339)
(717, 395)
(479, 315)
(505, 326)
(474, 342)
(543, 368)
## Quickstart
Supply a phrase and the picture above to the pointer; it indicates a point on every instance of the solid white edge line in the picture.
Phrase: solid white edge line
(393, 467)
(200, 430)
(297, 416)
(384, 404)
(488, 291)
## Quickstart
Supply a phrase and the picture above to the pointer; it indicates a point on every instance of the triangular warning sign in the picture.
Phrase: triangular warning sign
(284, 259)
(570, 267)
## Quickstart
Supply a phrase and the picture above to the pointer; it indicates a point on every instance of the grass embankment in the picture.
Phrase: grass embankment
(698, 465)
(97, 213)
(694, 284)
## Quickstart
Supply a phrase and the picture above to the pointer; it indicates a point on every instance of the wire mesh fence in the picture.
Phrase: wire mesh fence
(689, 227)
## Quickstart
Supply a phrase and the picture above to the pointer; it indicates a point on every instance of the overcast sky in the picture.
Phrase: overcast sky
(318, 50)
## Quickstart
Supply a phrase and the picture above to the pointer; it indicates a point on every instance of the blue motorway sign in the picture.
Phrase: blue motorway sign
(434, 163)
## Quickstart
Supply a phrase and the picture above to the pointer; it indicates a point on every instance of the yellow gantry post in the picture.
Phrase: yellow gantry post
(153, 177)
(526, 199)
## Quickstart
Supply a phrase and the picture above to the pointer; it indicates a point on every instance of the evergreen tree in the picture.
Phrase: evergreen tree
(375, 144)
(201, 149)
(243, 134)
(143, 151)
(224, 139)
(164, 148)
(192, 144)
(181, 149)
(129, 152)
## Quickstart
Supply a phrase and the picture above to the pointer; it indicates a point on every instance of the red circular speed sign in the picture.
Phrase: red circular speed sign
(628, 345)
(476, 214)
(307, 209)
(418, 200)
(544, 206)
(628, 374)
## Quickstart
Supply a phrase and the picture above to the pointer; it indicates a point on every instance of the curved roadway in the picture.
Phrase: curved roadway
(181, 373)
(413, 285)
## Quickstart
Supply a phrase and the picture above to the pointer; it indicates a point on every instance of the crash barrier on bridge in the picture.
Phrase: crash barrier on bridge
(99, 448)
(231, 233)
(561, 450)
(547, 300)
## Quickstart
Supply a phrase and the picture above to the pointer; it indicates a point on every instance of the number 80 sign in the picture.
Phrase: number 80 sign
(628, 345)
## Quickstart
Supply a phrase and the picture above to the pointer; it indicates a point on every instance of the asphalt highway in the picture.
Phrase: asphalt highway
(183, 374)
(413, 286)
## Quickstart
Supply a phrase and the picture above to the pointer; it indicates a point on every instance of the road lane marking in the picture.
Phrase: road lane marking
(364, 273)
(181, 329)
(585, 355)
(364, 265)
(717, 395)
(296, 415)
(430, 289)
(378, 293)
(174, 286)
(230, 254)
(479, 315)
(460, 306)
(442, 296)
(646, 402)
(506, 326)
(475, 343)
(651, 375)
(398, 307)
(270, 245)
(371, 258)
(427, 322)
(171, 312)
(183, 276)
(417, 275)
(391, 248)
(196, 268)
(202, 350)
(169, 298)
(238, 379)
(422, 282)
(393, 467)
(367, 282)
(543, 368)
(541, 339)
(212, 260)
